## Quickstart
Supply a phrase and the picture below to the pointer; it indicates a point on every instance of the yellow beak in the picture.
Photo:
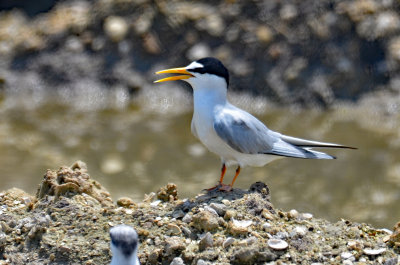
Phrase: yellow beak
(181, 70)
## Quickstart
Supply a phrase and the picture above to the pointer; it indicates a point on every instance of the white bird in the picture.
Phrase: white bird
(235, 135)
(124, 245)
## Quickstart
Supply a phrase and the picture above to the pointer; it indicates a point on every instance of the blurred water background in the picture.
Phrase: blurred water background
(76, 83)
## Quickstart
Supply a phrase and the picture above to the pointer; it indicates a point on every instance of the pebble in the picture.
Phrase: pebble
(395, 236)
(155, 203)
(229, 214)
(282, 235)
(74, 44)
(188, 233)
(219, 208)
(173, 244)
(236, 228)
(174, 229)
(293, 214)
(298, 231)
(202, 262)
(198, 51)
(226, 202)
(214, 24)
(248, 241)
(205, 220)
(154, 255)
(187, 218)
(277, 244)
(306, 216)
(151, 43)
(347, 255)
(3, 239)
(347, 262)
(211, 210)
(242, 223)
(392, 261)
(387, 23)
(178, 214)
(266, 226)
(354, 245)
(264, 34)
(288, 12)
(206, 242)
(177, 261)
(374, 252)
(125, 202)
(168, 193)
(394, 48)
(228, 242)
(115, 28)
(267, 214)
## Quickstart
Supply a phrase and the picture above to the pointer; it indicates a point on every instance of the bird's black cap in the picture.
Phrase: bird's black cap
(213, 66)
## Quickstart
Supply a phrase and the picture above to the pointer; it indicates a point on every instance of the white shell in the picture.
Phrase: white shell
(242, 224)
(277, 244)
(374, 252)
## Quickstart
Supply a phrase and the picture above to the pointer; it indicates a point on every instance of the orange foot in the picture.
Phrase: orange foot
(224, 187)
(220, 187)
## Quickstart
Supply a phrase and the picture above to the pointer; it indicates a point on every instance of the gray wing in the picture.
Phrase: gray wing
(307, 143)
(246, 134)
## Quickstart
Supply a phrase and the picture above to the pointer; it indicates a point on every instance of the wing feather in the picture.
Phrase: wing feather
(246, 134)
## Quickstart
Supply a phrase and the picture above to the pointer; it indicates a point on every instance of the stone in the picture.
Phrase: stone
(229, 214)
(125, 202)
(347, 255)
(174, 229)
(293, 214)
(177, 261)
(211, 210)
(298, 231)
(267, 214)
(116, 28)
(206, 242)
(205, 221)
(264, 34)
(219, 208)
(228, 242)
(236, 227)
(174, 245)
(168, 193)
(187, 218)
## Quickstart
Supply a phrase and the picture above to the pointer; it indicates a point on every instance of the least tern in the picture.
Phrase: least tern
(124, 245)
(235, 135)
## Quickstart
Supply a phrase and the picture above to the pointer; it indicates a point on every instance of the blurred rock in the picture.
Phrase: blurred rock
(115, 28)
(293, 52)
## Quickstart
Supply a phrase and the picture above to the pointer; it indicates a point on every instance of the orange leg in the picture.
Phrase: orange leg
(223, 170)
(220, 184)
(230, 187)
(236, 175)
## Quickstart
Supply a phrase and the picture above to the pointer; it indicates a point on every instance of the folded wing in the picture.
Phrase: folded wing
(246, 134)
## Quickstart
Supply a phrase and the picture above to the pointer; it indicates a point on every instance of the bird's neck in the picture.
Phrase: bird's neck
(122, 260)
(208, 98)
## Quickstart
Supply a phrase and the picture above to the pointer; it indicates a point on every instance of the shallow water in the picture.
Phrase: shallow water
(136, 148)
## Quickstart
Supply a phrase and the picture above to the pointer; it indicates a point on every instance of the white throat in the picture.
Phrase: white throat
(208, 90)
(119, 258)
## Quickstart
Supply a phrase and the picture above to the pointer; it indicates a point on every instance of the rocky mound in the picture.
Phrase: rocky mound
(69, 220)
